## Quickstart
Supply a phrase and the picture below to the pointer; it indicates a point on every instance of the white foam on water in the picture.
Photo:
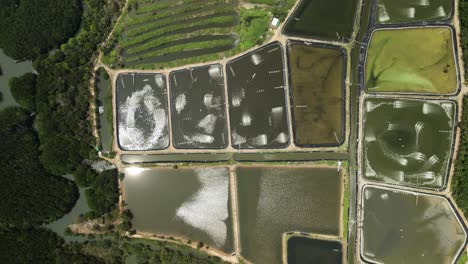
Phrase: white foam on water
(260, 140)
(408, 12)
(384, 196)
(383, 15)
(439, 12)
(256, 59)
(180, 102)
(215, 72)
(246, 119)
(420, 2)
(202, 138)
(281, 138)
(236, 101)
(208, 100)
(208, 123)
(207, 209)
(159, 81)
(429, 108)
(448, 109)
(237, 139)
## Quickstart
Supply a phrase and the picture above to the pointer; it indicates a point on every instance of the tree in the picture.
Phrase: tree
(23, 90)
(84, 175)
(104, 192)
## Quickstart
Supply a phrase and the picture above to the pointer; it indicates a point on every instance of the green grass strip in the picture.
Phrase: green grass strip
(180, 62)
(221, 10)
(162, 6)
(135, 20)
(127, 42)
(183, 47)
(171, 38)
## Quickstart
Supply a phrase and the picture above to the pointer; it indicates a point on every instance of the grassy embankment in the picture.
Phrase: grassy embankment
(160, 35)
(411, 61)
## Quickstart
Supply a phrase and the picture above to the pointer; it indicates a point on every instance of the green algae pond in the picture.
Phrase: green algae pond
(408, 227)
(404, 11)
(306, 250)
(142, 111)
(273, 200)
(198, 108)
(192, 203)
(323, 19)
(317, 75)
(257, 99)
(412, 60)
(408, 142)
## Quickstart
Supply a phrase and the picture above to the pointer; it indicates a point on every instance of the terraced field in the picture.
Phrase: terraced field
(164, 33)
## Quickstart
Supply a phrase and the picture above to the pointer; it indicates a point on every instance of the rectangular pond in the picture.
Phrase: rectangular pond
(198, 108)
(273, 200)
(192, 203)
(317, 87)
(323, 19)
(257, 99)
(407, 227)
(306, 250)
(142, 111)
(105, 113)
(397, 61)
(404, 11)
(408, 142)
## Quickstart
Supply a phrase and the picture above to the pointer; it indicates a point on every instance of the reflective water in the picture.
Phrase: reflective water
(198, 108)
(317, 93)
(257, 104)
(274, 200)
(9, 69)
(142, 114)
(404, 227)
(408, 142)
(185, 202)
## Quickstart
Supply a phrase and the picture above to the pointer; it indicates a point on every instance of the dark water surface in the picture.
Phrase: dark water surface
(304, 250)
(274, 200)
(142, 111)
(198, 108)
(323, 19)
(257, 100)
(317, 93)
(404, 11)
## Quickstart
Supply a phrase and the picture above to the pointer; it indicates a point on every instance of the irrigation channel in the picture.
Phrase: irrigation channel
(261, 91)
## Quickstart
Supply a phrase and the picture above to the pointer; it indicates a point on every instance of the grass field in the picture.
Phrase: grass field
(157, 34)
(411, 60)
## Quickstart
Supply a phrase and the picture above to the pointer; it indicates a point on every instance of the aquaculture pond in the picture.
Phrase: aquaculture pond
(408, 142)
(257, 104)
(105, 109)
(407, 227)
(198, 108)
(192, 203)
(412, 60)
(323, 19)
(8, 69)
(404, 11)
(317, 93)
(306, 250)
(142, 111)
(273, 200)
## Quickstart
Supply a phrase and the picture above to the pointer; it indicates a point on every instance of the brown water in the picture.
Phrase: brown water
(274, 200)
(317, 93)
(191, 202)
(257, 101)
(404, 227)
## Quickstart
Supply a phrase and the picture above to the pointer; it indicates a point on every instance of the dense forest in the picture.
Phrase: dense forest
(23, 89)
(460, 177)
(463, 16)
(104, 192)
(29, 194)
(31, 27)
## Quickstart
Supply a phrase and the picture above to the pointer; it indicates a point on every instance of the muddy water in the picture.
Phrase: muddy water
(104, 93)
(8, 70)
(408, 141)
(257, 104)
(191, 203)
(304, 250)
(274, 200)
(317, 93)
(401, 227)
(142, 114)
(198, 108)
(404, 11)
(323, 19)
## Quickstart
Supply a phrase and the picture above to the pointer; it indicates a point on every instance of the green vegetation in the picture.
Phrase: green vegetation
(397, 62)
(149, 31)
(104, 192)
(23, 90)
(31, 27)
(463, 258)
(29, 194)
(460, 176)
(463, 16)
(84, 175)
